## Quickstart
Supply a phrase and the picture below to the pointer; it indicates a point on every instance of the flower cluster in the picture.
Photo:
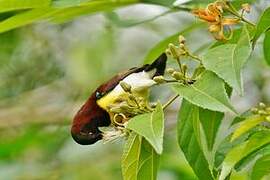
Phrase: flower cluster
(125, 107)
(218, 23)
(262, 110)
(177, 52)
(128, 106)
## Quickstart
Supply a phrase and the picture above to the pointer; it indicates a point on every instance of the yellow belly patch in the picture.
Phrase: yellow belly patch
(106, 101)
(110, 99)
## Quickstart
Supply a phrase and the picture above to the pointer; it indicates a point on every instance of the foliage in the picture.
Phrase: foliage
(229, 67)
(190, 142)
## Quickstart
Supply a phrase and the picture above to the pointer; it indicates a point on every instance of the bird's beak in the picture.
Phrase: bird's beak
(86, 138)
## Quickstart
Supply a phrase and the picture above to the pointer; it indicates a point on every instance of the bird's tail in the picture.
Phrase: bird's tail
(159, 65)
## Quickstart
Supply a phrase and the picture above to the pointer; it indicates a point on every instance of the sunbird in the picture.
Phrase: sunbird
(94, 113)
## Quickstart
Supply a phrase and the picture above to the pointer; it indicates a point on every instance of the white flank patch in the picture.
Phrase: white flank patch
(138, 81)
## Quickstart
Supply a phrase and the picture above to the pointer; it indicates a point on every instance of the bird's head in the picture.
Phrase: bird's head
(87, 120)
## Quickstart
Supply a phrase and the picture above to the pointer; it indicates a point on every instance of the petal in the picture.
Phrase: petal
(214, 28)
(230, 21)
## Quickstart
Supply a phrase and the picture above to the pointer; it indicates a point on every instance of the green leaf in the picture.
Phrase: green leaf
(60, 14)
(139, 160)
(239, 175)
(246, 125)
(69, 13)
(224, 147)
(266, 45)
(159, 2)
(25, 18)
(262, 25)
(65, 3)
(189, 140)
(160, 47)
(242, 117)
(228, 60)
(261, 168)
(11, 5)
(256, 141)
(210, 121)
(248, 160)
(207, 92)
(150, 126)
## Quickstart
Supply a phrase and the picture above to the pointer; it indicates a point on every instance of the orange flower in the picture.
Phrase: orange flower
(213, 15)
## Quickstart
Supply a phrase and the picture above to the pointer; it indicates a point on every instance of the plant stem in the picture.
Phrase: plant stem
(233, 11)
(179, 64)
(170, 101)
(195, 57)
(246, 21)
(170, 81)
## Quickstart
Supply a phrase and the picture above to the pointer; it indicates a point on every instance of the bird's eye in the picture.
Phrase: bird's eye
(98, 95)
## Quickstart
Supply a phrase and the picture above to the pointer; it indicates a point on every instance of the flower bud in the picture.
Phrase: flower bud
(159, 79)
(125, 108)
(177, 75)
(142, 104)
(140, 99)
(170, 70)
(153, 105)
(132, 97)
(184, 67)
(254, 110)
(125, 86)
(173, 51)
(181, 39)
(246, 7)
(261, 112)
(115, 110)
(262, 105)
(168, 52)
(182, 46)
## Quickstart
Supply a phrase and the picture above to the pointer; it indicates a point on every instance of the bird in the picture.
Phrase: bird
(94, 112)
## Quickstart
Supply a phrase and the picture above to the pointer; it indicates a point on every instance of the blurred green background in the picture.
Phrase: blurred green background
(47, 71)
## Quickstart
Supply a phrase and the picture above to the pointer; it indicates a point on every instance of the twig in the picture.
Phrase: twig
(170, 101)
(179, 64)
(234, 12)
(195, 57)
